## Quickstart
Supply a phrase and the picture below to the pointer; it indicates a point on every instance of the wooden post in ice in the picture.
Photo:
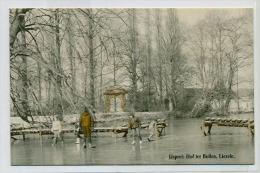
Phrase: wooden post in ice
(40, 131)
(202, 128)
(156, 132)
(23, 132)
(114, 129)
(163, 128)
(249, 127)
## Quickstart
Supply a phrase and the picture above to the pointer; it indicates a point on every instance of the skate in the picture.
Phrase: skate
(140, 142)
(54, 141)
(133, 142)
(91, 147)
(78, 141)
(84, 146)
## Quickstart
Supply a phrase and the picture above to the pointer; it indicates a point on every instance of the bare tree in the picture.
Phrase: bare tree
(20, 98)
(220, 48)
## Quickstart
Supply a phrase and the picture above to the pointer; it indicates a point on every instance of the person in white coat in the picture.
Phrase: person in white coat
(56, 129)
(152, 129)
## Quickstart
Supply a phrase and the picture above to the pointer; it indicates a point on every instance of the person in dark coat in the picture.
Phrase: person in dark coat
(134, 125)
(87, 123)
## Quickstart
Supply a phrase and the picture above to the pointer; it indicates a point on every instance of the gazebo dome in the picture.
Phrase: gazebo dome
(115, 90)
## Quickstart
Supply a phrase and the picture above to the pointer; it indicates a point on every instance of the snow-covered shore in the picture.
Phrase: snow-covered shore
(109, 118)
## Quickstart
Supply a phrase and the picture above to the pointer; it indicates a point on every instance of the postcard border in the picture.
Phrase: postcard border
(5, 159)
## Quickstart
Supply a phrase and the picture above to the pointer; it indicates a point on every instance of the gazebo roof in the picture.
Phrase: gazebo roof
(115, 90)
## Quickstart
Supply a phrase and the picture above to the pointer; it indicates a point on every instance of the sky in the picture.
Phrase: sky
(192, 15)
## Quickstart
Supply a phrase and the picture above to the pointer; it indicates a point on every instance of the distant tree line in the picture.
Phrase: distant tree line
(62, 60)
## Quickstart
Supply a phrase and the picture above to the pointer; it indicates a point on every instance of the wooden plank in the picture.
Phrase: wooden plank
(244, 121)
(228, 120)
(239, 120)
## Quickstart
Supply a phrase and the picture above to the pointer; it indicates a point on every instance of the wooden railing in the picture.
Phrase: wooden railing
(209, 122)
(160, 130)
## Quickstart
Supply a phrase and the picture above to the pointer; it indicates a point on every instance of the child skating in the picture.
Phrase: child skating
(56, 130)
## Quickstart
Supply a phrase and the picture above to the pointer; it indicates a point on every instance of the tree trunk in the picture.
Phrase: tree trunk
(58, 64)
(159, 56)
(16, 26)
(133, 57)
(71, 58)
(40, 90)
(25, 110)
(101, 79)
(148, 59)
(91, 57)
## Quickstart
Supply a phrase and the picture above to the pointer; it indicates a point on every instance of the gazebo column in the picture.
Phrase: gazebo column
(107, 103)
(123, 102)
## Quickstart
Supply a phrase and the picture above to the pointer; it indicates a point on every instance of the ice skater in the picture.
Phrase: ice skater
(134, 125)
(77, 133)
(152, 129)
(56, 129)
(87, 123)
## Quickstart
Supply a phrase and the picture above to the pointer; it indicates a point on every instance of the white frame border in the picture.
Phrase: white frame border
(5, 160)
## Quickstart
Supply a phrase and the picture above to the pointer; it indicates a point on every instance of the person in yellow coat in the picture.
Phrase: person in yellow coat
(87, 123)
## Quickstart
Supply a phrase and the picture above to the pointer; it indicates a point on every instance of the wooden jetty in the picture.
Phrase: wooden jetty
(209, 122)
(159, 128)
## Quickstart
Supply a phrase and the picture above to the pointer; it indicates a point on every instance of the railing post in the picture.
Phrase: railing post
(249, 127)
(156, 131)
(23, 132)
(115, 129)
(40, 131)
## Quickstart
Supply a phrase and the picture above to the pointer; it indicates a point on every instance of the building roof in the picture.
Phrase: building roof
(115, 90)
(246, 93)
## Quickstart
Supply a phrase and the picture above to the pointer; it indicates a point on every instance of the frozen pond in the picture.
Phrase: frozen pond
(183, 136)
